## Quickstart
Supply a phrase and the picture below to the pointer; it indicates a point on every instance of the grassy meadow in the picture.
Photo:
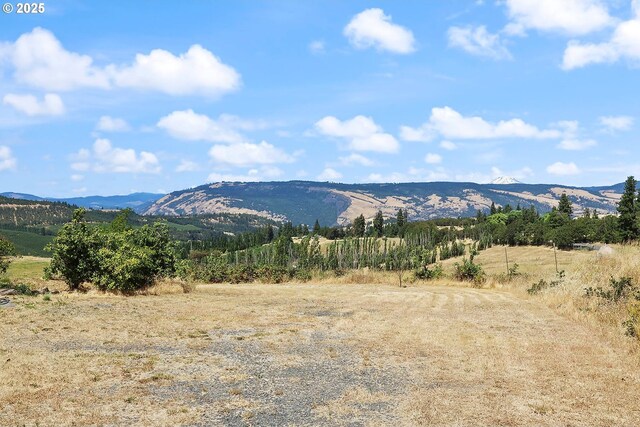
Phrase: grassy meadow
(355, 349)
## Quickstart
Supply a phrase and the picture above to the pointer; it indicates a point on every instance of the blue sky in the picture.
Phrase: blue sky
(111, 98)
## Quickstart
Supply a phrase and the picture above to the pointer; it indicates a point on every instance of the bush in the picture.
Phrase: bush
(74, 252)
(272, 274)
(6, 250)
(116, 258)
(426, 273)
(620, 289)
(469, 271)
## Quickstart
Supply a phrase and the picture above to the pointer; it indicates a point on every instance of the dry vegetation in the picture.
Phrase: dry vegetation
(355, 349)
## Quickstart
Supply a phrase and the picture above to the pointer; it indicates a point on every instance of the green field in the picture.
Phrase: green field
(27, 268)
(27, 243)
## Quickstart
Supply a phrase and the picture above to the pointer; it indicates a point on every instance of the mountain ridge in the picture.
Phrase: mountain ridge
(338, 203)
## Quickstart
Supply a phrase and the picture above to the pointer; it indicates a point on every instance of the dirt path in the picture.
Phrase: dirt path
(309, 355)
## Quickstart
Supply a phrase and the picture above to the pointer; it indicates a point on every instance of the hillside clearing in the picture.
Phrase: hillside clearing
(308, 355)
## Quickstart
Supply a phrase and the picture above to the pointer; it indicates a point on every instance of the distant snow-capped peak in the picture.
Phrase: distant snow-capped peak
(505, 180)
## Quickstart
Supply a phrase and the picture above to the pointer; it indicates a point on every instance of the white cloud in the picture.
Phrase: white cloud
(617, 123)
(77, 177)
(191, 126)
(253, 175)
(329, 174)
(448, 123)
(7, 161)
(245, 154)
(355, 159)
(572, 17)
(372, 28)
(104, 158)
(412, 175)
(478, 41)
(195, 72)
(559, 168)
(51, 104)
(577, 144)
(317, 46)
(40, 60)
(623, 44)
(187, 166)
(433, 159)
(361, 132)
(448, 145)
(112, 124)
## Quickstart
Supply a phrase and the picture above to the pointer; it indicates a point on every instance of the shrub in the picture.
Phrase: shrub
(240, 273)
(620, 289)
(74, 251)
(469, 271)
(536, 288)
(115, 258)
(6, 250)
(632, 324)
(272, 273)
(426, 273)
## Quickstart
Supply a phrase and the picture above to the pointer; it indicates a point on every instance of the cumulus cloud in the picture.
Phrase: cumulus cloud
(246, 154)
(187, 166)
(253, 175)
(195, 72)
(449, 123)
(7, 161)
(329, 174)
(623, 44)
(372, 28)
(478, 41)
(560, 168)
(360, 132)
(191, 126)
(412, 175)
(448, 145)
(104, 158)
(40, 60)
(576, 144)
(572, 17)
(616, 123)
(355, 159)
(433, 159)
(51, 104)
(112, 124)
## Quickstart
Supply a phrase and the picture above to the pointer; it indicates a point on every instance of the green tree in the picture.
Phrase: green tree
(493, 210)
(628, 209)
(400, 218)
(316, 227)
(378, 223)
(359, 226)
(74, 251)
(270, 234)
(6, 250)
(564, 205)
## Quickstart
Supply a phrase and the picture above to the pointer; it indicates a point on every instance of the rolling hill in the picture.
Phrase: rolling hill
(139, 202)
(334, 203)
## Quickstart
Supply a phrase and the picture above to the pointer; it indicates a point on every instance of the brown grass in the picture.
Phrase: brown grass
(355, 349)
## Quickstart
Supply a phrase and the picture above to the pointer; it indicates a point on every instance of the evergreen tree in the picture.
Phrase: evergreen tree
(564, 206)
(493, 209)
(270, 234)
(628, 209)
(400, 218)
(359, 226)
(316, 227)
(378, 223)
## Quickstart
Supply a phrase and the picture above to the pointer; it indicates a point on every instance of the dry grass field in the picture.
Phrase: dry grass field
(440, 353)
